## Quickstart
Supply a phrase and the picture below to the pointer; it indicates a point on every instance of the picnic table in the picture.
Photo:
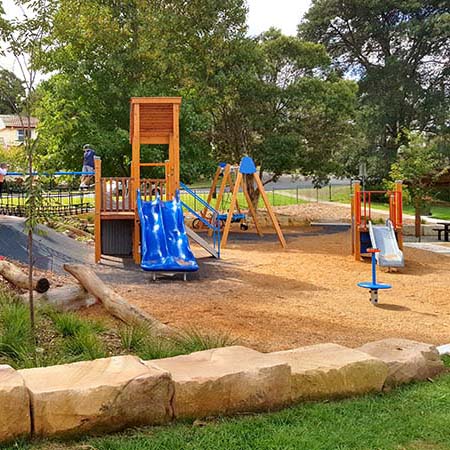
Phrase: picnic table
(443, 231)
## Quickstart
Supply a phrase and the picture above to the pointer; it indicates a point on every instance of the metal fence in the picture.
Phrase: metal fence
(59, 202)
(70, 200)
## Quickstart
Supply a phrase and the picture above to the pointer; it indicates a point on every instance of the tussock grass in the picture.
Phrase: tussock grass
(70, 324)
(68, 337)
(193, 340)
(84, 345)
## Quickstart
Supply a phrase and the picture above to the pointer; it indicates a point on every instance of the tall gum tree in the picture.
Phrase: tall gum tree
(399, 51)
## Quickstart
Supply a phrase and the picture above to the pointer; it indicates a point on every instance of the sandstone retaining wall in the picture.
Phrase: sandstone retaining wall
(114, 393)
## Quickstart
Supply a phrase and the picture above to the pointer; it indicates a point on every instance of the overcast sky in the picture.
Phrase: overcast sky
(263, 14)
(284, 14)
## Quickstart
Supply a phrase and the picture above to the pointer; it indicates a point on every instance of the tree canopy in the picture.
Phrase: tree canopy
(399, 51)
(12, 93)
(266, 97)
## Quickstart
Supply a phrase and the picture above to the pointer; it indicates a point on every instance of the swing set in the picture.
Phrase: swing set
(233, 181)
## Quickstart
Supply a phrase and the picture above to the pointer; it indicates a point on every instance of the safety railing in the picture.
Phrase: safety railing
(60, 192)
(364, 212)
(115, 194)
(212, 224)
(151, 188)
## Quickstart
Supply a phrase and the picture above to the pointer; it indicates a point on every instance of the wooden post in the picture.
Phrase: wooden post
(98, 209)
(272, 216)
(226, 230)
(356, 221)
(176, 148)
(223, 185)
(170, 170)
(399, 212)
(212, 190)
(135, 180)
(166, 176)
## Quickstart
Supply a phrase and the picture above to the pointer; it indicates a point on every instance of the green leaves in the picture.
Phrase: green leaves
(399, 53)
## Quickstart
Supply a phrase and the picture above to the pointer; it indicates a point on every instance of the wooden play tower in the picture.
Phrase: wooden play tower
(153, 121)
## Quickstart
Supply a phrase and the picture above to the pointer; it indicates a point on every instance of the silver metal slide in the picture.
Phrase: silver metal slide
(200, 241)
(383, 237)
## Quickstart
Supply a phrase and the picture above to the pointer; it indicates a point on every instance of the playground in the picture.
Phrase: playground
(265, 287)
(271, 299)
(254, 278)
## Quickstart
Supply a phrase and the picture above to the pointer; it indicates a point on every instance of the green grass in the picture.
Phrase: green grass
(70, 324)
(414, 417)
(438, 211)
(342, 194)
(276, 198)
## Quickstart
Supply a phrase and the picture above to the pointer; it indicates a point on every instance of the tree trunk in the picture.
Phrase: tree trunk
(418, 221)
(252, 190)
(66, 298)
(113, 302)
(19, 279)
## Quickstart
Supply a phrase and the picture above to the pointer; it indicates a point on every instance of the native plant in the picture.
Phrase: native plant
(24, 39)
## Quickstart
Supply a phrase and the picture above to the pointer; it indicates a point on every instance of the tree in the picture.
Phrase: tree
(12, 92)
(107, 51)
(399, 51)
(421, 164)
(291, 111)
(25, 40)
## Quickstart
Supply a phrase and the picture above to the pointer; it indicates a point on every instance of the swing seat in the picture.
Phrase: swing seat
(234, 219)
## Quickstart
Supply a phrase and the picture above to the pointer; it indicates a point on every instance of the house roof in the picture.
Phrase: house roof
(14, 121)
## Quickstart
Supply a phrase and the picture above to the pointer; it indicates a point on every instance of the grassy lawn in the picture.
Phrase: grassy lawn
(438, 211)
(341, 194)
(415, 417)
(276, 198)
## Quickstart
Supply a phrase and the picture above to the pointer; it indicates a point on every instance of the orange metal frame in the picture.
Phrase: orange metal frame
(362, 213)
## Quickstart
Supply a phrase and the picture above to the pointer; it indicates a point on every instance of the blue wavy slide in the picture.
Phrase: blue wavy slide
(164, 243)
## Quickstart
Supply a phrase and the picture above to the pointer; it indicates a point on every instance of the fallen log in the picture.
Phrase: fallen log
(66, 298)
(113, 302)
(15, 276)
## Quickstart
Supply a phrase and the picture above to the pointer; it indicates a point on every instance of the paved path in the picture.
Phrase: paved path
(441, 249)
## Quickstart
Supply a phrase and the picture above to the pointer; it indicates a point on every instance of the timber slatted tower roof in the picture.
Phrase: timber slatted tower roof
(155, 120)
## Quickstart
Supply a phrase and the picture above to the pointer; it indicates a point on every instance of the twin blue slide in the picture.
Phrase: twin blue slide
(164, 243)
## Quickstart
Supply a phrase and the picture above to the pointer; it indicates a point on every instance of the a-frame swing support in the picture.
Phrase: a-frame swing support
(247, 167)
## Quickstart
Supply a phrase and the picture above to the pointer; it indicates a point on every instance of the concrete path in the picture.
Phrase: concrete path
(441, 249)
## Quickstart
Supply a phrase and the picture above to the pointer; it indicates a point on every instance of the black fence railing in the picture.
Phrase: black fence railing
(57, 202)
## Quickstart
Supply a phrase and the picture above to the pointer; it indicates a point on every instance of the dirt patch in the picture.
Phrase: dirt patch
(272, 299)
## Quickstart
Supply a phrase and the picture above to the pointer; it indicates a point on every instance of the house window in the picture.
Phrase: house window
(21, 134)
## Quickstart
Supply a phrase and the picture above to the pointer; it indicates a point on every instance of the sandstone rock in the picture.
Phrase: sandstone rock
(226, 380)
(331, 371)
(102, 395)
(14, 405)
(407, 360)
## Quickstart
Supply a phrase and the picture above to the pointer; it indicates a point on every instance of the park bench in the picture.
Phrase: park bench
(443, 231)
